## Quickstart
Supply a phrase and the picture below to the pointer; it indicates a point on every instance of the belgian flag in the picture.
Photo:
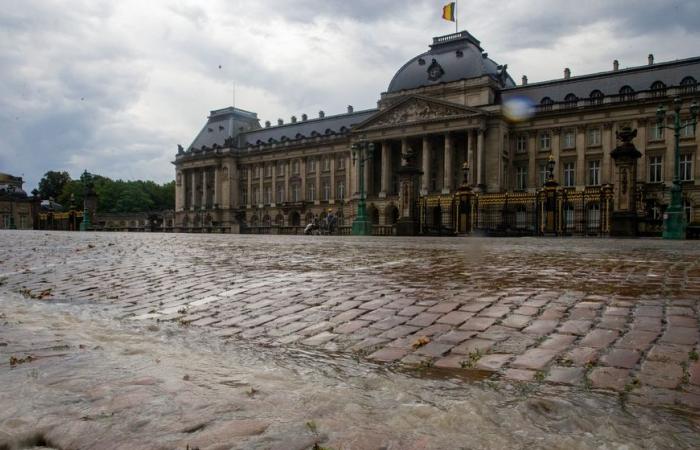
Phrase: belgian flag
(448, 12)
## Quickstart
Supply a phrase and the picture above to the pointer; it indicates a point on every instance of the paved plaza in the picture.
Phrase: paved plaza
(618, 316)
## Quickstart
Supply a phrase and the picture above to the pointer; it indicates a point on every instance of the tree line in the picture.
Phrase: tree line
(116, 196)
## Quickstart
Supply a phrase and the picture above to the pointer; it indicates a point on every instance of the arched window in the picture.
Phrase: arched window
(689, 85)
(596, 97)
(570, 101)
(658, 89)
(626, 93)
(266, 221)
(546, 104)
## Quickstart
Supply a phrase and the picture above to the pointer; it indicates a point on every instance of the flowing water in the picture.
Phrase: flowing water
(97, 382)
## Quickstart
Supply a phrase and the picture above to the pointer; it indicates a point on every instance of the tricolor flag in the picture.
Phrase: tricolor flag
(448, 12)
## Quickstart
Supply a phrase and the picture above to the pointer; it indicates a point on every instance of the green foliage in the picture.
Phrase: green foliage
(118, 196)
(51, 185)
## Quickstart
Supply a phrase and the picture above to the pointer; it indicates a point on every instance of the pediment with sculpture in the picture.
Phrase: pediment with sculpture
(417, 109)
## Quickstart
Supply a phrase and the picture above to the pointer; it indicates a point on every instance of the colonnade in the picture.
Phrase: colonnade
(446, 150)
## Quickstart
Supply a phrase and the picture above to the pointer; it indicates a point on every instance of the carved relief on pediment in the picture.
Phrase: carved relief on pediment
(416, 110)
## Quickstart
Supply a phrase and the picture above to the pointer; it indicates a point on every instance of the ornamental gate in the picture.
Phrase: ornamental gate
(560, 212)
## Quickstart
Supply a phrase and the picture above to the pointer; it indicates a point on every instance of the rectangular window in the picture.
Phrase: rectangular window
(594, 137)
(280, 169)
(687, 131)
(341, 162)
(521, 143)
(244, 196)
(295, 168)
(311, 165)
(268, 195)
(256, 196)
(280, 194)
(656, 133)
(655, 169)
(686, 167)
(311, 192)
(542, 173)
(326, 191)
(326, 164)
(520, 178)
(295, 193)
(268, 170)
(341, 190)
(569, 138)
(594, 173)
(545, 142)
(569, 174)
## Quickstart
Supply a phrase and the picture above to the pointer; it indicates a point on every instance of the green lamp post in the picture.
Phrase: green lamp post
(674, 218)
(362, 151)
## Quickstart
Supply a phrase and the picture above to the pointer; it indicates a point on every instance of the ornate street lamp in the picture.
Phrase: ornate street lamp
(362, 151)
(674, 218)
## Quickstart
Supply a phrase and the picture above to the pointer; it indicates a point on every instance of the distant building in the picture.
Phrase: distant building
(17, 210)
(450, 104)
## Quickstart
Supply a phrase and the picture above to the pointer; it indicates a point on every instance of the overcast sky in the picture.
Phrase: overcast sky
(114, 86)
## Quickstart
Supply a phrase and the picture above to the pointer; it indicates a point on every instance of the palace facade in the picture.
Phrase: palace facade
(459, 111)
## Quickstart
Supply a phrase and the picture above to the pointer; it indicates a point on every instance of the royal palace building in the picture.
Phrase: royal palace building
(471, 128)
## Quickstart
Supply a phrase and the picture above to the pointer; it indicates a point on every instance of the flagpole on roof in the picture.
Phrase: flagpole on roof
(456, 17)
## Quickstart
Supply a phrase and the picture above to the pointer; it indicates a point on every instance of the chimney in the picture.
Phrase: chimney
(304, 117)
(294, 119)
(524, 80)
(267, 124)
(616, 65)
(567, 73)
(321, 114)
(651, 59)
(280, 122)
(350, 109)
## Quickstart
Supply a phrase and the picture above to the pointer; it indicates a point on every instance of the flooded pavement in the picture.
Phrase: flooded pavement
(169, 341)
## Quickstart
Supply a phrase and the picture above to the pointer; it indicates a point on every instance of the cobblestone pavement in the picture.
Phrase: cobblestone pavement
(601, 314)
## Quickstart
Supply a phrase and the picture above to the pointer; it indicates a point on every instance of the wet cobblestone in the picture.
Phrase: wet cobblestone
(614, 315)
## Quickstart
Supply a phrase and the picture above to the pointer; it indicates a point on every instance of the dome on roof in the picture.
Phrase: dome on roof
(453, 57)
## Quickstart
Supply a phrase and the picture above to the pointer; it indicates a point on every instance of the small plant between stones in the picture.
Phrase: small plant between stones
(472, 359)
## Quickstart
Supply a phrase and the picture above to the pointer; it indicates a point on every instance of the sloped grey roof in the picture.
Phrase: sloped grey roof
(222, 124)
(459, 55)
(328, 125)
(639, 78)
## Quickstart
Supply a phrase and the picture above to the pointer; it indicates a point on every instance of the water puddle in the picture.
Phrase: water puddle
(97, 382)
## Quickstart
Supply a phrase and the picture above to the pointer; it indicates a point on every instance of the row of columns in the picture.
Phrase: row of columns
(198, 195)
(474, 155)
(250, 200)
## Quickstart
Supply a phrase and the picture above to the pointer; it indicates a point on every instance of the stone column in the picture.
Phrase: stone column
(480, 156)
(194, 189)
(386, 168)
(204, 188)
(448, 163)
(532, 168)
(425, 181)
(179, 190)
(608, 144)
(249, 199)
(317, 181)
(348, 178)
(331, 197)
(470, 155)
(287, 171)
(273, 187)
(215, 200)
(369, 169)
(261, 198)
(580, 156)
(232, 179)
(302, 174)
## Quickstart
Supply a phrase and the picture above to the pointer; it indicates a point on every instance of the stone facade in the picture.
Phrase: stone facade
(451, 105)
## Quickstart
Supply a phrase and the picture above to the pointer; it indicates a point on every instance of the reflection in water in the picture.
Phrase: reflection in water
(101, 383)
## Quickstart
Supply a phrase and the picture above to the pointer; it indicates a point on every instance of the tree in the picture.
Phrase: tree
(51, 185)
